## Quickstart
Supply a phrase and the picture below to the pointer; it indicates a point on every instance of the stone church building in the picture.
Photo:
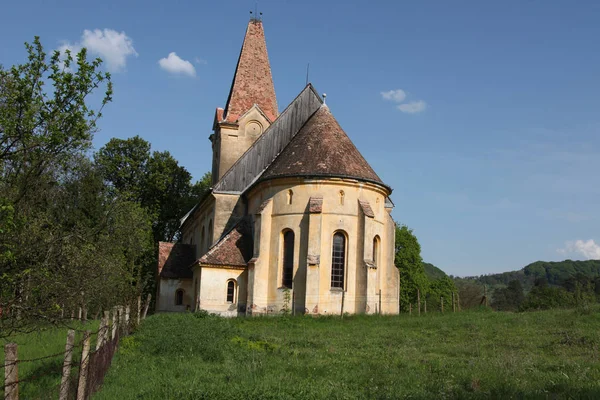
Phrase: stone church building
(296, 218)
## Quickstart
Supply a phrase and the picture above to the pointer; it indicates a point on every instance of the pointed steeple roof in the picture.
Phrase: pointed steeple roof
(252, 82)
(321, 148)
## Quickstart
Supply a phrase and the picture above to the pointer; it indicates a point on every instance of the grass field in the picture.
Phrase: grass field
(551, 354)
(41, 378)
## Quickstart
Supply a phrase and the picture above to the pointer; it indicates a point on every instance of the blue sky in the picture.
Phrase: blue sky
(483, 116)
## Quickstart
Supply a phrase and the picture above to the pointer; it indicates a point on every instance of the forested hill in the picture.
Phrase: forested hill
(433, 272)
(554, 272)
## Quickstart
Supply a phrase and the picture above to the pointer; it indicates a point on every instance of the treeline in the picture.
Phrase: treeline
(76, 231)
(554, 272)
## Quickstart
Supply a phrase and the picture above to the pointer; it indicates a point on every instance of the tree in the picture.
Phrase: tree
(64, 236)
(509, 298)
(408, 260)
(154, 180)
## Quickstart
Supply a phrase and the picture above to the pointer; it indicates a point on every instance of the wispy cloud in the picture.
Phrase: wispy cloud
(176, 65)
(413, 107)
(586, 248)
(111, 46)
(398, 96)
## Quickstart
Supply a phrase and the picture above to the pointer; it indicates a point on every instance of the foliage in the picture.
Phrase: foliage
(455, 355)
(433, 272)
(509, 298)
(154, 180)
(408, 260)
(65, 240)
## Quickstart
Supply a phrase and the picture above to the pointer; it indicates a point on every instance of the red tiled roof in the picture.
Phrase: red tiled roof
(252, 82)
(366, 209)
(321, 148)
(234, 249)
(174, 260)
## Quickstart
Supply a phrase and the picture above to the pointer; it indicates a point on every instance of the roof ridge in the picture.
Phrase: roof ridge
(263, 136)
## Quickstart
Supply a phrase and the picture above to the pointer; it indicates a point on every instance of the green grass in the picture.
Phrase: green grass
(551, 354)
(41, 379)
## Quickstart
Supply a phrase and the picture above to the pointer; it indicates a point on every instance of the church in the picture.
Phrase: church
(296, 219)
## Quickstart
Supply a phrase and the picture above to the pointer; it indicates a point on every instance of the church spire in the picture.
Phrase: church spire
(252, 82)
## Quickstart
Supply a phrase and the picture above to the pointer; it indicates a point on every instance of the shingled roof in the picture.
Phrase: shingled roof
(174, 260)
(233, 250)
(321, 148)
(252, 81)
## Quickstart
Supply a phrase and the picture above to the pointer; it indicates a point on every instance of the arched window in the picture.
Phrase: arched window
(341, 197)
(338, 260)
(288, 259)
(230, 291)
(179, 297)
(290, 196)
(210, 234)
(376, 250)
(202, 238)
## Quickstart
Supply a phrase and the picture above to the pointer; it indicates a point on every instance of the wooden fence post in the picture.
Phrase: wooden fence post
(84, 366)
(115, 322)
(458, 300)
(80, 314)
(442, 303)
(146, 306)
(453, 303)
(101, 330)
(409, 308)
(425, 305)
(418, 302)
(66, 370)
(342, 308)
(11, 372)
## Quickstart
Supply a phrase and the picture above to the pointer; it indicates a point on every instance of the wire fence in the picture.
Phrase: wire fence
(92, 364)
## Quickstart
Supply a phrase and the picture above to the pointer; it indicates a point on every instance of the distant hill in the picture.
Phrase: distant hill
(555, 272)
(433, 272)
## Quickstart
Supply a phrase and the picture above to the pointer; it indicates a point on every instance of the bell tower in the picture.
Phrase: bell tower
(251, 105)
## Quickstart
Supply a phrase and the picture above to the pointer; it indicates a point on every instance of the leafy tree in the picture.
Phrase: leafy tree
(155, 180)
(64, 235)
(408, 260)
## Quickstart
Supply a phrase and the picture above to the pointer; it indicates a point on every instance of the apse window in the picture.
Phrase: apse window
(338, 260)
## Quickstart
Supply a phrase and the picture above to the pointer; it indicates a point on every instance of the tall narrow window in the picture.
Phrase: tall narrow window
(202, 238)
(338, 260)
(230, 291)
(179, 297)
(290, 196)
(376, 251)
(288, 259)
(341, 197)
(210, 234)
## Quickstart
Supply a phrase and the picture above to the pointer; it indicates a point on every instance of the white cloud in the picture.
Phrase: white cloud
(397, 95)
(176, 65)
(413, 107)
(588, 249)
(111, 46)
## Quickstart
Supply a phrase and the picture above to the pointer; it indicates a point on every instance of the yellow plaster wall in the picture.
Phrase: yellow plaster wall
(212, 290)
(362, 284)
(166, 298)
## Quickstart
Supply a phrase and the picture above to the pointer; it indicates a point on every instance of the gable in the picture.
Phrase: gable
(266, 148)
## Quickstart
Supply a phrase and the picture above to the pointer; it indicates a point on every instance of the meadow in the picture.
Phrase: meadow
(477, 354)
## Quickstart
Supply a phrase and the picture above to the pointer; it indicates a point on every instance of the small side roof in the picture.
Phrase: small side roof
(233, 250)
(174, 260)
